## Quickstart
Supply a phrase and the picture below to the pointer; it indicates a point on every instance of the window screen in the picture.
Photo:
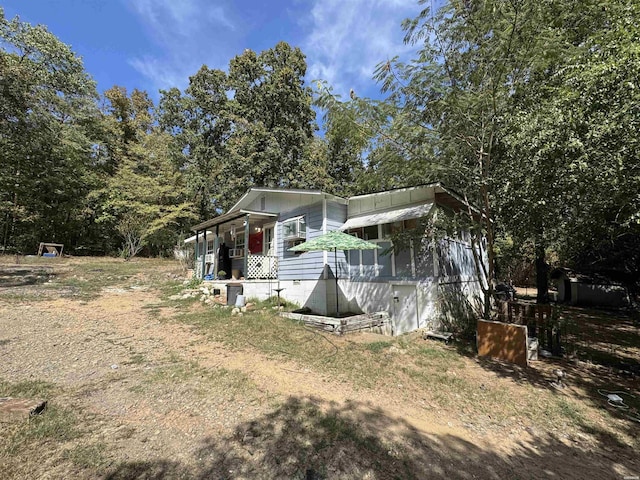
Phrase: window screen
(384, 259)
(403, 263)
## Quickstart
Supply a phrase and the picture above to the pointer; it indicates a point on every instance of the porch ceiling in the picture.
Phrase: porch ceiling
(231, 216)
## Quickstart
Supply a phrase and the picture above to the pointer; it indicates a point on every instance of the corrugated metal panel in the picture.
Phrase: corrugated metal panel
(390, 216)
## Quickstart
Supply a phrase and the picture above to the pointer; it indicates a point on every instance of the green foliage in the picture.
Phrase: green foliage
(49, 126)
(194, 282)
(27, 388)
(458, 313)
(252, 126)
(515, 261)
(453, 96)
(144, 198)
(57, 424)
(576, 124)
(378, 347)
(524, 107)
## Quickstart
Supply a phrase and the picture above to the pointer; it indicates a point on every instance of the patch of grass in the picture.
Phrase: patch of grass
(198, 379)
(559, 409)
(337, 429)
(273, 301)
(56, 423)
(88, 456)
(441, 357)
(22, 297)
(443, 386)
(136, 359)
(438, 371)
(171, 287)
(280, 337)
(86, 277)
(27, 389)
(377, 347)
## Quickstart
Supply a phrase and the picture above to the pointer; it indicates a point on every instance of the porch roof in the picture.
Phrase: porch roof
(389, 216)
(192, 239)
(230, 216)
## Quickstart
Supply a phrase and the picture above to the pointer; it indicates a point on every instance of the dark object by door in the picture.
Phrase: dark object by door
(233, 290)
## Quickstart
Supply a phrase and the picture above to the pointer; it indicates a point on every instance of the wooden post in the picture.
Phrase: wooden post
(246, 247)
(216, 247)
(204, 254)
(197, 250)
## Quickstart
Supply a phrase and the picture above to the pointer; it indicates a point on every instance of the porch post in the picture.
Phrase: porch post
(204, 253)
(246, 247)
(216, 246)
(197, 251)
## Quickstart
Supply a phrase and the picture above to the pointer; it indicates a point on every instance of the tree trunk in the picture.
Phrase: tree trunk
(542, 278)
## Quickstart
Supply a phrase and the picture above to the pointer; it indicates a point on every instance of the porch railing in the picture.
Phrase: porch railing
(262, 266)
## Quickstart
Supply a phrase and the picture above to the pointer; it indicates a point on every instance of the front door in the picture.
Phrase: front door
(405, 308)
(268, 240)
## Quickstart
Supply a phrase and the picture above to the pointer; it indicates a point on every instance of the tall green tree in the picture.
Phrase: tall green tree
(576, 123)
(274, 120)
(250, 126)
(532, 111)
(451, 99)
(144, 200)
(351, 129)
(200, 121)
(49, 129)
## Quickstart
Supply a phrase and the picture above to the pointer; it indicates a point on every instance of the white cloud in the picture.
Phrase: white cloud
(163, 74)
(184, 31)
(347, 39)
(343, 39)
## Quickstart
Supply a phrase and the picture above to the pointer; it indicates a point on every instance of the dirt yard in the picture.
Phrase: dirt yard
(141, 384)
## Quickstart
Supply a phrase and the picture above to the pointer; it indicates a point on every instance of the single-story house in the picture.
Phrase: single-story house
(251, 243)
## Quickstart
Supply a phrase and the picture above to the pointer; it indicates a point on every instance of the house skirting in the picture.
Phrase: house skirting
(411, 305)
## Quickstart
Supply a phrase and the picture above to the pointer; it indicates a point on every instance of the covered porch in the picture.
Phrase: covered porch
(240, 243)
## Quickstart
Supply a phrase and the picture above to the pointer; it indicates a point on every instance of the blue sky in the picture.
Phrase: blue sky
(155, 44)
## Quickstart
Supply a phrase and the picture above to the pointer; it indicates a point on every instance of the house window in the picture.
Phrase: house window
(370, 232)
(389, 229)
(385, 259)
(403, 263)
(239, 244)
(354, 263)
(371, 263)
(368, 259)
(294, 228)
(239, 240)
(209, 246)
(366, 233)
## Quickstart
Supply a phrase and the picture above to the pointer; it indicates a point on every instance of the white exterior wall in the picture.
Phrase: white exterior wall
(416, 306)
(260, 289)
(308, 293)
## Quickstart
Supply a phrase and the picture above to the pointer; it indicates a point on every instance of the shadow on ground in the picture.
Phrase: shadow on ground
(19, 276)
(605, 350)
(307, 438)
